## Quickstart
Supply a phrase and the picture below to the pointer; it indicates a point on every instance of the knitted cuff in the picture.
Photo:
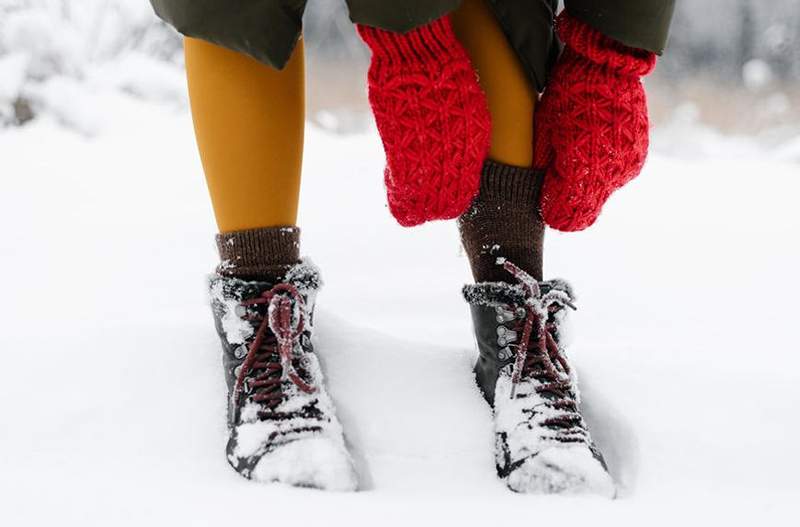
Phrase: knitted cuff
(510, 184)
(591, 44)
(504, 221)
(258, 254)
(433, 42)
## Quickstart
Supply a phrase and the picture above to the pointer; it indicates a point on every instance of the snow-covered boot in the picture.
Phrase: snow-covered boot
(542, 442)
(281, 421)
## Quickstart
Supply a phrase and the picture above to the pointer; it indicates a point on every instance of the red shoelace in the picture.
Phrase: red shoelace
(278, 329)
(547, 364)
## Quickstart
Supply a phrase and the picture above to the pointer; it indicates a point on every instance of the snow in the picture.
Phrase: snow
(112, 392)
(568, 468)
(12, 71)
(757, 74)
(236, 329)
(319, 462)
(59, 57)
(565, 470)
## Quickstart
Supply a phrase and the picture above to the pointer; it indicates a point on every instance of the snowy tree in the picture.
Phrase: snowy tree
(45, 39)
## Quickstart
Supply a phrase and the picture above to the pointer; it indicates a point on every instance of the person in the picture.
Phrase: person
(453, 85)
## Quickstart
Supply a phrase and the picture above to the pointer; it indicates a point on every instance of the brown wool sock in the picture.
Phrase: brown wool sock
(504, 221)
(258, 254)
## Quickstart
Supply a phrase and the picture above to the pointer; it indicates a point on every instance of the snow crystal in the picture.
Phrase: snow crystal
(226, 265)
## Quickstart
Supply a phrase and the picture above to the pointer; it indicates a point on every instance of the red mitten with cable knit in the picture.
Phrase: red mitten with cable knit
(432, 117)
(591, 125)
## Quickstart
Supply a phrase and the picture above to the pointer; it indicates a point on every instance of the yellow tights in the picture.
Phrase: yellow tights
(509, 92)
(249, 119)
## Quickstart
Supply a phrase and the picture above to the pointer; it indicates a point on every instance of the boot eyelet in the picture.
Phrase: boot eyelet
(505, 335)
(240, 352)
(503, 314)
(237, 370)
(240, 311)
(521, 312)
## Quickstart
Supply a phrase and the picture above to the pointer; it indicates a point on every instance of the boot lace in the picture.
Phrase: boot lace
(270, 353)
(541, 358)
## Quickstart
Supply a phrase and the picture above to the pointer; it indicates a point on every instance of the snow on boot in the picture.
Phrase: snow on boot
(281, 421)
(542, 442)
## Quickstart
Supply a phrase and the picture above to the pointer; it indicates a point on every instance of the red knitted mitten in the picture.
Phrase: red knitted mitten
(432, 117)
(591, 126)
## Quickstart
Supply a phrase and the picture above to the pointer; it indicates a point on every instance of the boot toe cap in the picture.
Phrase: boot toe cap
(562, 470)
(316, 462)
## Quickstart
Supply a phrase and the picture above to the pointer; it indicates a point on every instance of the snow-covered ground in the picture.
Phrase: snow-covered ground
(112, 396)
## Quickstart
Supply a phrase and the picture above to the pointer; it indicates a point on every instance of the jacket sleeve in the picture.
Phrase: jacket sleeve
(398, 15)
(642, 24)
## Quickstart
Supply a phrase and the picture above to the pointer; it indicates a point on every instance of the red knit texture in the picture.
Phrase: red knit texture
(591, 126)
(432, 117)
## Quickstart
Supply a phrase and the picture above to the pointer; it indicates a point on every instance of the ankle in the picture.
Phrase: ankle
(258, 254)
(504, 222)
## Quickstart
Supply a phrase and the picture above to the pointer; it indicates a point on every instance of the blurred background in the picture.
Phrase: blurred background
(732, 66)
(688, 276)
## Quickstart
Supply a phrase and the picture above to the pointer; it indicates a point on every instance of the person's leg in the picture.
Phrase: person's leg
(248, 119)
(521, 369)
(510, 94)
(503, 221)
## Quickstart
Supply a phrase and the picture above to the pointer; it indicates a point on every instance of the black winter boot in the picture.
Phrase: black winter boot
(281, 421)
(542, 442)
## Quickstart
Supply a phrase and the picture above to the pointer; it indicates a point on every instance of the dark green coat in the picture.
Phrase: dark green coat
(268, 30)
